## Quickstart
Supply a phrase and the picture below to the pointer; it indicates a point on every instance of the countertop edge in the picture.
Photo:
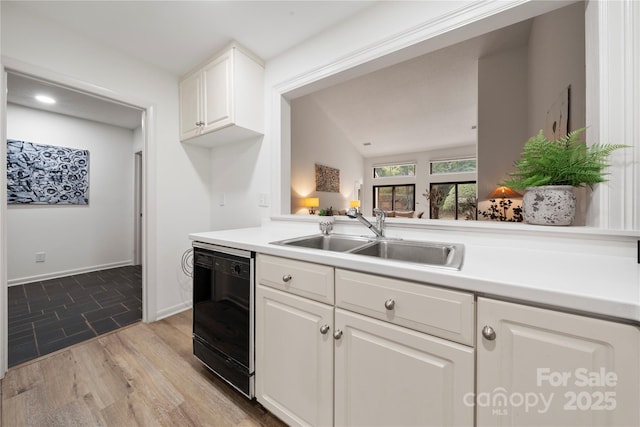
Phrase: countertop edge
(618, 310)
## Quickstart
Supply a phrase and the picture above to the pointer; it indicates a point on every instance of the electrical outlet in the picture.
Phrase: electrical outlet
(40, 256)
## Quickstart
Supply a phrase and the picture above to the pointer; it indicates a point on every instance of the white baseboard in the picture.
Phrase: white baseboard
(56, 274)
(178, 308)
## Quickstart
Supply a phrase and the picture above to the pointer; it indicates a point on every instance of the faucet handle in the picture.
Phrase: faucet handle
(379, 213)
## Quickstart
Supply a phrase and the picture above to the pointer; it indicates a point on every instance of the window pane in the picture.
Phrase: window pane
(384, 198)
(453, 201)
(403, 200)
(467, 201)
(453, 166)
(394, 197)
(394, 170)
(443, 205)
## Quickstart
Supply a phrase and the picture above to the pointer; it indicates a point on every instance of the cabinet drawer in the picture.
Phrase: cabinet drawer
(439, 312)
(306, 279)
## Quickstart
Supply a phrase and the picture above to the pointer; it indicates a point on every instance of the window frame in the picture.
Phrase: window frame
(393, 198)
(382, 165)
(458, 159)
(456, 184)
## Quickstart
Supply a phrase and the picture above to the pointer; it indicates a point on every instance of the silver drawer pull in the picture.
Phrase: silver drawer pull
(389, 304)
(337, 334)
(286, 278)
(324, 329)
(489, 333)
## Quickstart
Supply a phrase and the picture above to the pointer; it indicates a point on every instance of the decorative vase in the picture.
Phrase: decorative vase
(549, 205)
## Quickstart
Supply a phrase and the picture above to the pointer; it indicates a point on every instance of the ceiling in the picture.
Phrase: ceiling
(177, 35)
(426, 103)
(22, 90)
(436, 93)
(174, 36)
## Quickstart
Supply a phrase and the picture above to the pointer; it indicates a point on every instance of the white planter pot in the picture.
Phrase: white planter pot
(549, 205)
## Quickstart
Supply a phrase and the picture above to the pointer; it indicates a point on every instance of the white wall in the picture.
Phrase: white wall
(179, 178)
(318, 140)
(238, 176)
(74, 238)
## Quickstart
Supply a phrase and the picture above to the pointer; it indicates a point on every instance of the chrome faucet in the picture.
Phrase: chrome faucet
(378, 229)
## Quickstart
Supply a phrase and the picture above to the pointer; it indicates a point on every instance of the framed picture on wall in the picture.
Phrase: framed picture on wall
(327, 179)
(557, 124)
(46, 175)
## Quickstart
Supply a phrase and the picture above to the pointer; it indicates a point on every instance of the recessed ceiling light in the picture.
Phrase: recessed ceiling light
(45, 99)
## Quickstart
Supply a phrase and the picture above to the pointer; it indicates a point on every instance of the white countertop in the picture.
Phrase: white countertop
(591, 275)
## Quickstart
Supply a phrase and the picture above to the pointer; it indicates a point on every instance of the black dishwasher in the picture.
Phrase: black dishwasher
(223, 313)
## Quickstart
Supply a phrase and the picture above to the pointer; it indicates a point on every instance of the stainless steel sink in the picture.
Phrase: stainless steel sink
(429, 253)
(327, 242)
(438, 254)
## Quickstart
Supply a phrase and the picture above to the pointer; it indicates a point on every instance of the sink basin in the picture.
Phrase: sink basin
(330, 242)
(429, 253)
(438, 254)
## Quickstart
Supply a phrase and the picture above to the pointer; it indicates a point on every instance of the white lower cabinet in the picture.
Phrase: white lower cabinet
(386, 375)
(294, 357)
(539, 367)
(389, 352)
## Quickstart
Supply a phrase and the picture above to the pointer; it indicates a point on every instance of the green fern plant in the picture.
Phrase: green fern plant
(565, 161)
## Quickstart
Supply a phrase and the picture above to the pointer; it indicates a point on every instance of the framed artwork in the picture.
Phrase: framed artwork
(46, 175)
(327, 179)
(557, 124)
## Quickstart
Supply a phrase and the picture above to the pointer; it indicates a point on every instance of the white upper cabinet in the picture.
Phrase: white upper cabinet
(222, 101)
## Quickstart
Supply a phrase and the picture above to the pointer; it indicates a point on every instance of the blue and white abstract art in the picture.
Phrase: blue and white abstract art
(44, 174)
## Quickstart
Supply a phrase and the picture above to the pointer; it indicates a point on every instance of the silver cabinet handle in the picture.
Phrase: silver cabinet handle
(337, 334)
(489, 333)
(324, 329)
(286, 278)
(389, 304)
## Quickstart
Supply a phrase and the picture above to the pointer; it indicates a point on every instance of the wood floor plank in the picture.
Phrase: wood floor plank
(130, 411)
(154, 388)
(143, 375)
(25, 409)
(99, 375)
(200, 392)
(60, 380)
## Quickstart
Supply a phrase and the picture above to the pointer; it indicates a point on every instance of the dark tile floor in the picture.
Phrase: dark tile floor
(52, 314)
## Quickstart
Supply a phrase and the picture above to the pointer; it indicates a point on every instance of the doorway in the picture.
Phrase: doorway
(51, 308)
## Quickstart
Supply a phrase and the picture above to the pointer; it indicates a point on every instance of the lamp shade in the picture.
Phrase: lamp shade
(311, 202)
(354, 203)
(503, 192)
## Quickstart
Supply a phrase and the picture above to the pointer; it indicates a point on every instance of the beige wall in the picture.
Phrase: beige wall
(316, 139)
(517, 88)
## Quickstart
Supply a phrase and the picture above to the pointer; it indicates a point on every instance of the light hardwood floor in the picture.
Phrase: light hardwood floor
(142, 375)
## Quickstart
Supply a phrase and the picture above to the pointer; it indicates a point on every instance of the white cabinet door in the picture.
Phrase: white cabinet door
(546, 368)
(386, 375)
(294, 357)
(218, 93)
(190, 110)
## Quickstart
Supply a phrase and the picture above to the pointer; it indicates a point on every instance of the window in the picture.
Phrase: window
(384, 171)
(395, 197)
(453, 200)
(439, 167)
